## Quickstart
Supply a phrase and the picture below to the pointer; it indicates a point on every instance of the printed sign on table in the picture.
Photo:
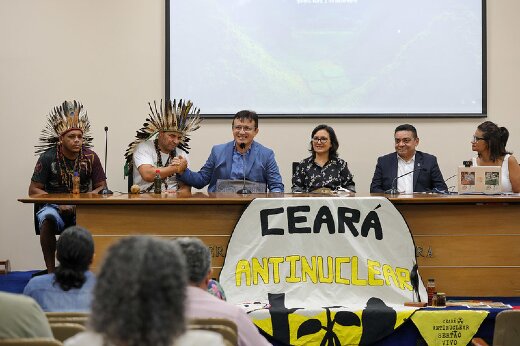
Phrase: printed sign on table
(320, 251)
(322, 270)
(450, 327)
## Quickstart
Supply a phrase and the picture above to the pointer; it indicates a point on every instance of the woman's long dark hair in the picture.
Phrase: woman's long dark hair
(496, 138)
(333, 151)
(74, 251)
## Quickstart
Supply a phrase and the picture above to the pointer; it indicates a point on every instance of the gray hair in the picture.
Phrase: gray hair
(197, 256)
(140, 292)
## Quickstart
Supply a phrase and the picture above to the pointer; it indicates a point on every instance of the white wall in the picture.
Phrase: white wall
(110, 55)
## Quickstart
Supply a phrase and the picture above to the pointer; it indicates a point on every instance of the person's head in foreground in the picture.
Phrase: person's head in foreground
(198, 260)
(74, 251)
(139, 296)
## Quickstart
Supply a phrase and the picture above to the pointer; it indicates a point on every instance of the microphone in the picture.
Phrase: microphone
(243, 190)
(447, 192)
(105, 190)
(453, 176)
(393, 190)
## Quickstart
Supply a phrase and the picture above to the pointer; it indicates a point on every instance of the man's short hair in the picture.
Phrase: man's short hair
(406, 127)
(197, 256)
(245, 114)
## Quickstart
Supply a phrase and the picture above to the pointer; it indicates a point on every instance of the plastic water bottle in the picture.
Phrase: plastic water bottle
(157, 182)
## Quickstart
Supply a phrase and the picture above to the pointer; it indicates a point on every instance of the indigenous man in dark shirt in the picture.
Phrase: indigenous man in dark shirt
(65, 151)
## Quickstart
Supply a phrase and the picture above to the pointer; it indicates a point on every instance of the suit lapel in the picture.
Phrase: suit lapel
(228, 158)
(252, 157)
(417, 166)
(393, 168)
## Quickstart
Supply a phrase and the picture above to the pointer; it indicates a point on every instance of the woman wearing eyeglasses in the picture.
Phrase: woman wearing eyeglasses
(490, 142)
(323, 169)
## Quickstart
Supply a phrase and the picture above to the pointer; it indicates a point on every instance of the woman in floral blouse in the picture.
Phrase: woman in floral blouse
(323, 169)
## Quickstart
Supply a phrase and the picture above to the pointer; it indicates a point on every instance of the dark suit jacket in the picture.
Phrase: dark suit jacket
(427, 178)
(261, 167)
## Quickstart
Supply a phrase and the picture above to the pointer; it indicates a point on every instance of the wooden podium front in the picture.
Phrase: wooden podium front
(469, 244)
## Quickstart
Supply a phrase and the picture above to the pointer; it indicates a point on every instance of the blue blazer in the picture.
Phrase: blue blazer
(261, 167)
(424, 180)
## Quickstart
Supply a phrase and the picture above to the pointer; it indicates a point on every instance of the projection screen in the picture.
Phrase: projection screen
(328, 58)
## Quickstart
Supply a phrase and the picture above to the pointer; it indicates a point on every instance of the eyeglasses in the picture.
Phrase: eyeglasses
(239, 128)
(476, 139)
(320, 140)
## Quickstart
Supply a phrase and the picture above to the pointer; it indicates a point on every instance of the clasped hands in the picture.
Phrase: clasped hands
(179, 164)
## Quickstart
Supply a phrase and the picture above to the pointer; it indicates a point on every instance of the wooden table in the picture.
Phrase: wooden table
(469, 244)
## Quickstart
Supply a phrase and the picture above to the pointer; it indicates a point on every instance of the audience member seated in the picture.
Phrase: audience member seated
(489, 141)
(139, 298)
(215, 289)
(201, 304)
(70, 287)
(323, 169)
(22, 317)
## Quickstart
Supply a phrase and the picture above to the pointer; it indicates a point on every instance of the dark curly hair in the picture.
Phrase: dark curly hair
(333, 151)
(496, 138)
(140, 292)
(198, 258)
(74, 251)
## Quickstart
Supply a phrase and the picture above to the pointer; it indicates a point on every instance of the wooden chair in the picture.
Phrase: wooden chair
(63, 331)
(30, 342)
(226, 328)
(507, 330)
(68, 317)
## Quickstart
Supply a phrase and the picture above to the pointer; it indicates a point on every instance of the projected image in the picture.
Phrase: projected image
(299, 57)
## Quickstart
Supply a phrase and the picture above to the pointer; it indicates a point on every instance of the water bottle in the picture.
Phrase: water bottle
(75, 183)
(430, 289)
(157, 182)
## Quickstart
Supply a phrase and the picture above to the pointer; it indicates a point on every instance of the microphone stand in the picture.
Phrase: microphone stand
(444, 192)
(393, 190)
(105, 190)
(243, 190)
(414, 280)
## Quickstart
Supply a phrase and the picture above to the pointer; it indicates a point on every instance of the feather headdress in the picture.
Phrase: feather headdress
(69, 116)
(179, 117)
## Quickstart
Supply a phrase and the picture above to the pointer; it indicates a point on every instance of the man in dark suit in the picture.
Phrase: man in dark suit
(426, 174)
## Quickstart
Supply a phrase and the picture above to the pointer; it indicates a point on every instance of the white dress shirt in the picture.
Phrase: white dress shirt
(405, 184)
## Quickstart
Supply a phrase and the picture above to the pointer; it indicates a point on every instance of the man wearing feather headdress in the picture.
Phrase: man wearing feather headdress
(65, 151)
(168, 151)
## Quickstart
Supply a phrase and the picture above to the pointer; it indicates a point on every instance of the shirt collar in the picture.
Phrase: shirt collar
(235, 151)
(399, 158)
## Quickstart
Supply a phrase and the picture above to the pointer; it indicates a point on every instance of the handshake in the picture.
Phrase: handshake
(179, 164)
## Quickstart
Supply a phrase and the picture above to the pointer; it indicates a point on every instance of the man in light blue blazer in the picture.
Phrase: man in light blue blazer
(241, 156)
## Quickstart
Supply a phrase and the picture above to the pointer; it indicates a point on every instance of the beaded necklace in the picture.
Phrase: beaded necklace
(67, 173)
(159, 160)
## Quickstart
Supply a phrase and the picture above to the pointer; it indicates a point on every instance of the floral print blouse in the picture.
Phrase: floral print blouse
(309, 176)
